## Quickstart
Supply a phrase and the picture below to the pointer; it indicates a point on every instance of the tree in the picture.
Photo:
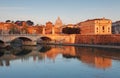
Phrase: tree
(69, 30)
(19, 23)
(29, 23)
(8, 21)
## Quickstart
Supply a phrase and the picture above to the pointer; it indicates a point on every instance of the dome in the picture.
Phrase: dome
(58, 22)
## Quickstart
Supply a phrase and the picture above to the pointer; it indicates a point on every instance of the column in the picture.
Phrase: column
(53, 30)
(43, 31)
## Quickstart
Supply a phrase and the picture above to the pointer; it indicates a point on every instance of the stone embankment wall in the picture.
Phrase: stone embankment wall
(98, 39)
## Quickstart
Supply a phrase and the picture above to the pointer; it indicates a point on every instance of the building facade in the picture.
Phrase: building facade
(5, 27)
(96, 26)
(48, 27)
(116, 27)
(58, 26)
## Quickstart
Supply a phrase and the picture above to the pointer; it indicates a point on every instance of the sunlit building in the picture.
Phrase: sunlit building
(5, 27)
(96, 26)
(58, 25)
(31, 30)
(71, 26)
(48, 28)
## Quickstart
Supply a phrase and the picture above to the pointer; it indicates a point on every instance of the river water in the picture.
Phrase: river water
(59, 62)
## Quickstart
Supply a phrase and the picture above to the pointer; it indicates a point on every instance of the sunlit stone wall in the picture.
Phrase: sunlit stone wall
(98, 39)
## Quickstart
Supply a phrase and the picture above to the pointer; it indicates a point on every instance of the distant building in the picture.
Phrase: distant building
(58, 22)
(31, 30)
(116, 27)
(48, 28)
(71, 26)
(5, 27)
(58, 25)
(96, 26)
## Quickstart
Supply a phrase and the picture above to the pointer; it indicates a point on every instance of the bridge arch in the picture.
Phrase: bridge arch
(2, 42)
(43, 39)
(23, 38)
(19, 41)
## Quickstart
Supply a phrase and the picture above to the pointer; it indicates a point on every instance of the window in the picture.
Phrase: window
(108, 29)
(97, 29)
(103, 28)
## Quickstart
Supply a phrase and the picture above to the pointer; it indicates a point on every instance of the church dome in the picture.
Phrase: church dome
(58, 22)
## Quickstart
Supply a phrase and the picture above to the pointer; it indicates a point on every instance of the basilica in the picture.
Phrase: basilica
(50, 28)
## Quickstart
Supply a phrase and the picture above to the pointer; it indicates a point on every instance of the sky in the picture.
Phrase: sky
(70, 11)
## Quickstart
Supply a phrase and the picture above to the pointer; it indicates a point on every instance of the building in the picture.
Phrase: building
(5, 27)
(116, 27)
(48, 28)
(58, 23)
(58, 26)
(71, 26)
(96, 26)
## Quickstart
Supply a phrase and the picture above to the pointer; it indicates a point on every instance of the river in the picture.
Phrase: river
(56, 61)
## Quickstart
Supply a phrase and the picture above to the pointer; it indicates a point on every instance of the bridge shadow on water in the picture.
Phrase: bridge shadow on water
(44, 48)
(22, 52)
(1, 53)
(15, 50)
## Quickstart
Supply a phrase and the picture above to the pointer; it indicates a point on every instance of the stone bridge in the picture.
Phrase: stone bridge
(33, 39)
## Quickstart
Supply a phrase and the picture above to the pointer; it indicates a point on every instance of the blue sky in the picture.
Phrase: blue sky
(70, 11)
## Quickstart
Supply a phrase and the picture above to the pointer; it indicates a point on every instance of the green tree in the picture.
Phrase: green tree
(29, 23)
(69, 30)
(8, 21)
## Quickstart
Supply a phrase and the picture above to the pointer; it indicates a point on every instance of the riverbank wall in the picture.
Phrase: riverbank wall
(98, 39)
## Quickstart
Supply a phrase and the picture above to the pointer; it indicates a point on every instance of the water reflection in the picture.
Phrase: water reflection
(44, 48)
(93, 57)
(1, 52)
(21, 51)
